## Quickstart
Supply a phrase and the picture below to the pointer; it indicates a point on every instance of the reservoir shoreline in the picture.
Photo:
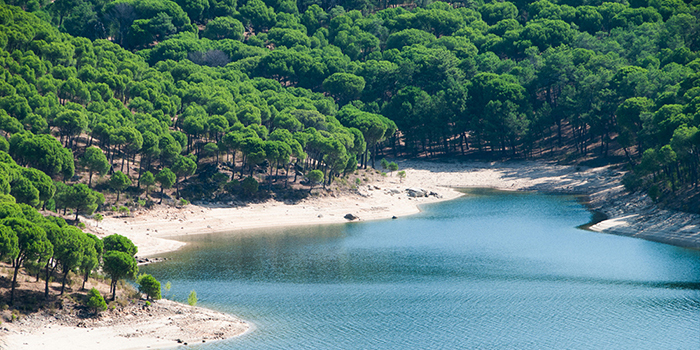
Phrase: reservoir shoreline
(627, 214)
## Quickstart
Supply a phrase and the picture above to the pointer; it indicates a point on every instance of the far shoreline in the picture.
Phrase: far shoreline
(627, 214)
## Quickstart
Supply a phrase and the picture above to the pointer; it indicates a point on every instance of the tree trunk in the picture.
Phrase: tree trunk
(18, 263)
(87, 274)
(46, 290)
(63, 283)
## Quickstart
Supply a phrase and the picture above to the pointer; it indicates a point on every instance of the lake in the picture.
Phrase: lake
(490, 270)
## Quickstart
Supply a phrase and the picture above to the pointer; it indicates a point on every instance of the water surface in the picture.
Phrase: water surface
(490, 270)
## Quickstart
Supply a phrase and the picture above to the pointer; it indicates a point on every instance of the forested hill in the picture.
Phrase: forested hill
(169, 85)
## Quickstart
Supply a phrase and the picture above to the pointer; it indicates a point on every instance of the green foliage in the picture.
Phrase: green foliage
(31, 244)
(148, 180)
(95, 161)
(393, 167)
(119, 182)
(402, 175)
(96, 302)
(118, 265)
(514, 79)
(249, 185)
(167, 287)
(224, 28)
(119, 243)
(384, 163)
(315, 177)
(149, 286)
(78, 197)
(192, 298)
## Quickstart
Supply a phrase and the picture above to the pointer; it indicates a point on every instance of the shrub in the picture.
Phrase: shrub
(167, 287)
(149, 286)
(249, 185)
(402, 175)
(192, 298)
(124, 210)
(95, 301)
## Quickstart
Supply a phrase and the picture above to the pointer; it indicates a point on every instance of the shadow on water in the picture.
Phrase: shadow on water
(596, 216)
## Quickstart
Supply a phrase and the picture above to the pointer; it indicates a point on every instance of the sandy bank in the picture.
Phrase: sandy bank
(629, 214)
(158, 326)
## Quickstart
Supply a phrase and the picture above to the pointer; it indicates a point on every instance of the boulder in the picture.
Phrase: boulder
(351, 217)
(416, 192)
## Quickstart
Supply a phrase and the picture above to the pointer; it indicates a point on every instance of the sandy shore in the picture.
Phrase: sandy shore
(164, 324)
(628, 214)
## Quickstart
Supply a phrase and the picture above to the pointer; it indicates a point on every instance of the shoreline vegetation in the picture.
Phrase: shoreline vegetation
(627, 214)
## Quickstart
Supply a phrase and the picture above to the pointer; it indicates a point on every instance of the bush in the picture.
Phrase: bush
(95, 301)
(249, 185)
(192, 298)
(124, 210)
(654, 192)
(384, 163)
(149, 286)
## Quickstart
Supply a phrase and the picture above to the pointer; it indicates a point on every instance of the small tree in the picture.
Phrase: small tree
(82, 199)
(167, 287)
(192, 298)
(183, 167)
(98, 217)
(119, 182)
(70, 252)
(384, 163)
(31, 244)
(166, 179)
(96, 302)
(91, 256)
(315, 177)
(149, 286)
(402, 175)
(118, 265)
(393, 167)
(95, 161)
(148, 180)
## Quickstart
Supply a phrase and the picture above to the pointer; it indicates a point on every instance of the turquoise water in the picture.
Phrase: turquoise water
(490, 270)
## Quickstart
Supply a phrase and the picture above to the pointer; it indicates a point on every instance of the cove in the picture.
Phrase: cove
(490, 270)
